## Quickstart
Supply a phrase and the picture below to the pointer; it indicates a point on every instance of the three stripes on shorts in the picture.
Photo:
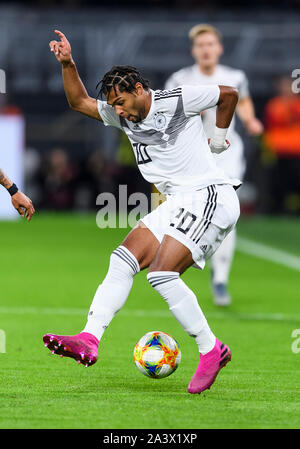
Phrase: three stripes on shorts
(208, 213)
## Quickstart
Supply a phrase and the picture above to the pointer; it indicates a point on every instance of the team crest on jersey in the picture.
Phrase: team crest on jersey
(160, 121)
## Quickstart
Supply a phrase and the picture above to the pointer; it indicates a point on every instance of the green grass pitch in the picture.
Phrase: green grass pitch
(50, 269)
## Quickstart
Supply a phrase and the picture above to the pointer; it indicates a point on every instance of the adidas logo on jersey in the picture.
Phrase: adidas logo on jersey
(203, 247)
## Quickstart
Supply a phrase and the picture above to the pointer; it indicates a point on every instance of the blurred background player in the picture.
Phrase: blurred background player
(21, 202)
(207, 49)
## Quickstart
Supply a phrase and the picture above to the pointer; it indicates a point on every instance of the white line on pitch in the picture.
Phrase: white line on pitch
(266, 252)
(223, 315)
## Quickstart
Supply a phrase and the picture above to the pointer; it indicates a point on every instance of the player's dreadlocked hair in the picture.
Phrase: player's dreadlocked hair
(123, 76)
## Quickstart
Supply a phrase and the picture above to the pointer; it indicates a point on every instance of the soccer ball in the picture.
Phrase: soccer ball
(157, 354)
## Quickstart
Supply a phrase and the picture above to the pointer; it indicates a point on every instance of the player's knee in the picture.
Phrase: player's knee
(155, 266)
(162, 264)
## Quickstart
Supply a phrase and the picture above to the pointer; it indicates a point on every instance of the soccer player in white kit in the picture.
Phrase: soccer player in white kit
(202, 207)
(207, 49)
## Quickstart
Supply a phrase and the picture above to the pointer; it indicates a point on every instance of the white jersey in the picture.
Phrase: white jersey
(170, 144)
(232, 161)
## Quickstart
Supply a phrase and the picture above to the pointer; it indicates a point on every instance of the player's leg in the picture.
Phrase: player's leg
(171, 260)
(221, 262)
(135, 253)
(193, 238)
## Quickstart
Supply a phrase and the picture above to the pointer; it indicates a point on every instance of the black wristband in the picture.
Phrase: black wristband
(13, 189)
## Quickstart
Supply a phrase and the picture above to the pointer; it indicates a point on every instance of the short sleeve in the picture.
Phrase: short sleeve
(243, 86)
(108, 114)
(198, 98)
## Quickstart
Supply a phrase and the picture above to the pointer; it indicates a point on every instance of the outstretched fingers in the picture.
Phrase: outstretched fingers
(61, 35)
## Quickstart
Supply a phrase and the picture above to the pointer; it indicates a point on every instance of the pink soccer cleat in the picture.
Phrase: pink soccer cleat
(82, 347)
(209, 366)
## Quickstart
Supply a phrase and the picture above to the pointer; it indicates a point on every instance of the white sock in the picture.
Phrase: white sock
(222, 258)
(111, 295)
(184, 306)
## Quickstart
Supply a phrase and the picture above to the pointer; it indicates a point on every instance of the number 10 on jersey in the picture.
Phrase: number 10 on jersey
(142, 156)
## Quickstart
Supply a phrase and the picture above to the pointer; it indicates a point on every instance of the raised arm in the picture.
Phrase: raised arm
(21, 202)
(76, 93)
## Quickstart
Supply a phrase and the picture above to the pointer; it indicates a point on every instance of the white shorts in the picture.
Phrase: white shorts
(200, 220)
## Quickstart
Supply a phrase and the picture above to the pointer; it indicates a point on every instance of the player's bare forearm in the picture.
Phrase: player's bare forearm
(4, 180)
(74, 88)
(226, 106)
(225, 109)
(76, 93)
